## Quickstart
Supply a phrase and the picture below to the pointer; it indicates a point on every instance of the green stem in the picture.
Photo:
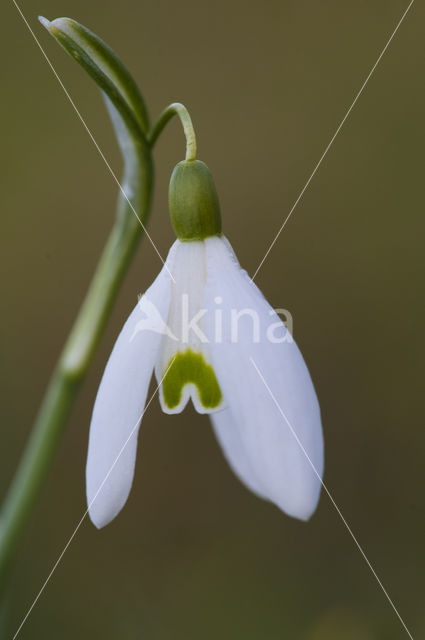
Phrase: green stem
(129, 121)
(34, 463)
(176, 109)
(64, 384)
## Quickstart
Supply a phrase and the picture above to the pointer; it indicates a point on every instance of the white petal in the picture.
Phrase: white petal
(227, 433)
(283, 471)
(120, 402)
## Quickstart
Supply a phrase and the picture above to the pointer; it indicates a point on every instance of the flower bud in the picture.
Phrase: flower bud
(193, 202)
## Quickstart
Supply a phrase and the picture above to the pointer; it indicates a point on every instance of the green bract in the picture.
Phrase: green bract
(193, 202)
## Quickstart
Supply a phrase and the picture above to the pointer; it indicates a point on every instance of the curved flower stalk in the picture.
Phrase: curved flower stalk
(130, 121)
(185, 331)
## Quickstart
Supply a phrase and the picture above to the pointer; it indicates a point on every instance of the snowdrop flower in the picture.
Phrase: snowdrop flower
(201, 327)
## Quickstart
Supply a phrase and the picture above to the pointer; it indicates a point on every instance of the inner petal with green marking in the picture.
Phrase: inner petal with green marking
(190, 368)
(184, 368)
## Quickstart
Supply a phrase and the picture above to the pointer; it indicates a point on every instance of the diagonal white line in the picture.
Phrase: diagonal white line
(55, 566)
(102, 155)
(332, 140)
(338, 510)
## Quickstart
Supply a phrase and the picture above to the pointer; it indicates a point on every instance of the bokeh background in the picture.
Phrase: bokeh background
(194, 554)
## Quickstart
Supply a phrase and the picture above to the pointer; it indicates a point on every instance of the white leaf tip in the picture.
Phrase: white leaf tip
(44, 21)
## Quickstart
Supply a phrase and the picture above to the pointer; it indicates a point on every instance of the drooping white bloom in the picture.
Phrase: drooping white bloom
(206, 333)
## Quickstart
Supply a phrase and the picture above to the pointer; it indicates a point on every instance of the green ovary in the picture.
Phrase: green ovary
(190, 367)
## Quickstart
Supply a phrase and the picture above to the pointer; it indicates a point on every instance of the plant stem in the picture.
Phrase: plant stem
(176, 109)
(34, 463)
(65, 382)
(129, 118)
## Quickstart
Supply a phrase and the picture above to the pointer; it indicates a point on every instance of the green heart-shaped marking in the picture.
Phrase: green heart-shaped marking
(190, 367)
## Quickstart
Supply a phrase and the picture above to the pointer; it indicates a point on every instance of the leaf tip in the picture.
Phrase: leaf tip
(54, 27)
(44, 21)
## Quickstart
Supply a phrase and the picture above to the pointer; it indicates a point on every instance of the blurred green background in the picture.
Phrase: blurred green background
(194, 554)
